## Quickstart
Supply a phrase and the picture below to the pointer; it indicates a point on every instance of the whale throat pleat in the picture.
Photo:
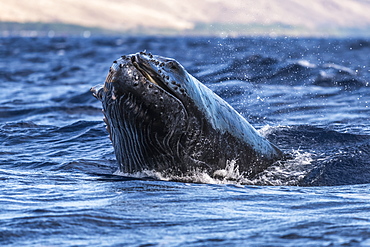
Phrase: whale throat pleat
(135, 139)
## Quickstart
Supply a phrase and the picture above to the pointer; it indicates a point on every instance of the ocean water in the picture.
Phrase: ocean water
(58, 179)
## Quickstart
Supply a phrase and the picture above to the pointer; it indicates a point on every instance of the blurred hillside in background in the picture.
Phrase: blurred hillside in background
(190, 17)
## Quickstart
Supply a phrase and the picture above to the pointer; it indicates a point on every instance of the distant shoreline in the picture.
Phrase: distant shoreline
(39, 29)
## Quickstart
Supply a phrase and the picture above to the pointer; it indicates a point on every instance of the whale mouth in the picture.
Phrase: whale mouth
(145, 68)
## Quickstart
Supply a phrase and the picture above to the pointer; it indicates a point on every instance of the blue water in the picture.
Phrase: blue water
(59, 185)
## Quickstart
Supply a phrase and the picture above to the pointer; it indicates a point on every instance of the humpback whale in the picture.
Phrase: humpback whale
(161, 118)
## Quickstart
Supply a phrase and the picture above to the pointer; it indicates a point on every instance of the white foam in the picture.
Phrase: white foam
(288, 172)
(282, 173)
(142, 174)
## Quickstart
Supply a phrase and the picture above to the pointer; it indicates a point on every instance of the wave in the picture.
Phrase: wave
(337, 158)
(260, 69)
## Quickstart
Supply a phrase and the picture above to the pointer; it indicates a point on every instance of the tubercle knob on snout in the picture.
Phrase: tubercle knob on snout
(133, 60)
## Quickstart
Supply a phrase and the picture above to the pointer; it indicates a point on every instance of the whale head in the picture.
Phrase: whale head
(161, 118)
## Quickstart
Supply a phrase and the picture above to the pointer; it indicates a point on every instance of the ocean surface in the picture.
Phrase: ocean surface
(58, 179)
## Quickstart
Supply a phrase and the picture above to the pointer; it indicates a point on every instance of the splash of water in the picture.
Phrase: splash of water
(288, 172)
